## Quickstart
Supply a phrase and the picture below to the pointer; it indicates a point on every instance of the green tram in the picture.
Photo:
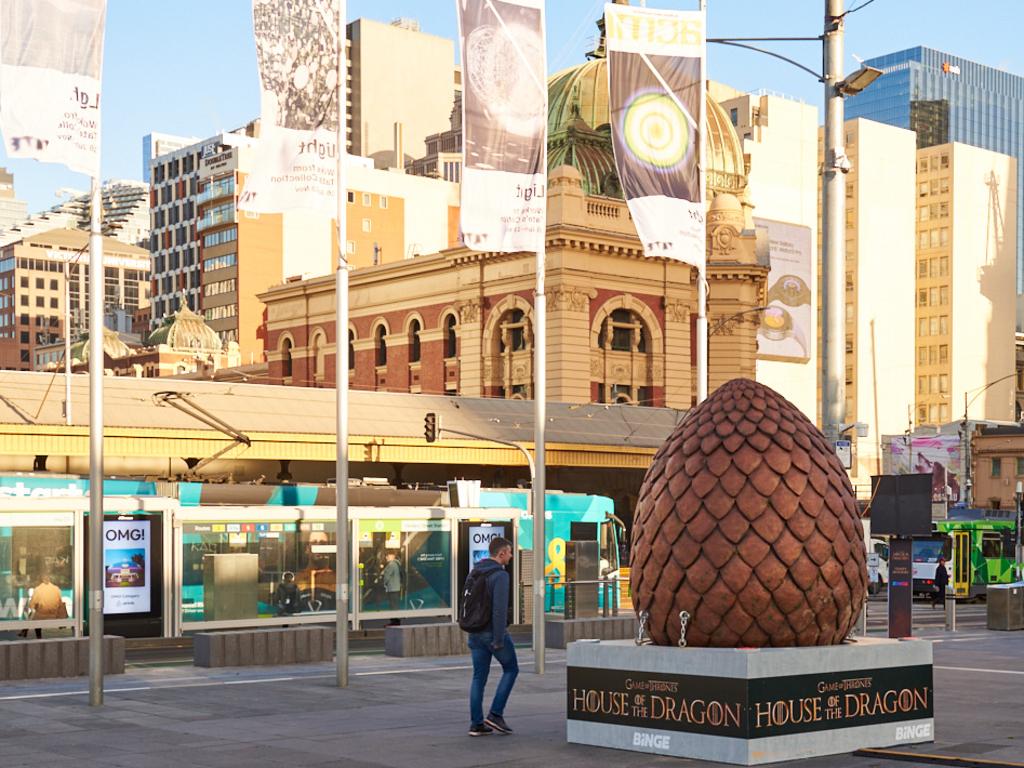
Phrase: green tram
(979, 550)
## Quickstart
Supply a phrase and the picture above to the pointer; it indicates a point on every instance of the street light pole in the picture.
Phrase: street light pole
(966, 455)
(833, 231)
(1017, 549)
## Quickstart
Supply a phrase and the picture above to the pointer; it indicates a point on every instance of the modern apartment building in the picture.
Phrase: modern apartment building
(125, 214)
(779, 136)
(946, 98)
(966, 229)
(174, 240)
(880, 285)
(44, 290)
(402, 84)
(156, 144)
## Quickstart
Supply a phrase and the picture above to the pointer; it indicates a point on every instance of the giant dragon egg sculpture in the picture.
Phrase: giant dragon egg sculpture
(746, 520)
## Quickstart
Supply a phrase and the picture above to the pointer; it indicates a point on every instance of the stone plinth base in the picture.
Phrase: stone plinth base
(750, 706)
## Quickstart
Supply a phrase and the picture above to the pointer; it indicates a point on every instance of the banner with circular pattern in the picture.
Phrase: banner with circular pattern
(656, 65)
(504, 125)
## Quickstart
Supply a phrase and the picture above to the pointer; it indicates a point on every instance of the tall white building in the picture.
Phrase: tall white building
(780, 137)
(880, 288)
(402, 86)
(966, 199)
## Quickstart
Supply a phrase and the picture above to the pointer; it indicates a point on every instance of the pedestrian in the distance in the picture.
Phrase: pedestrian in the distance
(392, 578)
(941, 581)
(484, 615)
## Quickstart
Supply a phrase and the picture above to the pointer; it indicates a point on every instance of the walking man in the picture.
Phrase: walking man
(941, 581)
(489, 637)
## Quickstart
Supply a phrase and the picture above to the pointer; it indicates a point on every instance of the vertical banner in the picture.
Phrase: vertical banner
(504, 124)
(296, 158)
(785, 331)
(126, 566)
(656, 73)
(51, 63)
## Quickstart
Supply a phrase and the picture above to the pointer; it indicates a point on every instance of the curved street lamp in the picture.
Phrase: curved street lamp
(979, 391)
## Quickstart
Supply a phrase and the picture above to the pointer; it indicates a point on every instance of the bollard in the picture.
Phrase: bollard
(950, 609)
(605, 607)
(864, 618)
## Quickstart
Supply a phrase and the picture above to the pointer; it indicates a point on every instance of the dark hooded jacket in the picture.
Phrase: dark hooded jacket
(497, 588)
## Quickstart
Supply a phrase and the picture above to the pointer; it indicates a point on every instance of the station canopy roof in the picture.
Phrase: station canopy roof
(28, 398)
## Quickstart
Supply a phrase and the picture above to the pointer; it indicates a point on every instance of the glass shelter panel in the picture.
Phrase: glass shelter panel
(233, 571)
(36, 566)
(404, 565)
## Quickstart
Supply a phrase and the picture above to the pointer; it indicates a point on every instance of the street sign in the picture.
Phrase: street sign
(844, 451)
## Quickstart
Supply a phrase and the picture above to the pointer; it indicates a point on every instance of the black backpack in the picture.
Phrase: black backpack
(475, 615)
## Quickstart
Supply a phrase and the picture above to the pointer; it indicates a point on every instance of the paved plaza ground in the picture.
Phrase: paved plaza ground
(413, 712)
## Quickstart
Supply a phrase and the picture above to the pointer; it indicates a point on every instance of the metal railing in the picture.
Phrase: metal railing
(608, 590)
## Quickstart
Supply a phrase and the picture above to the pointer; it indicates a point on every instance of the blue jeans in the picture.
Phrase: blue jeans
(480, 646)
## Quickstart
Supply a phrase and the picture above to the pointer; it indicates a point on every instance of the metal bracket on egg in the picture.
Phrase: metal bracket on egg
(642, 636)
(684, 619)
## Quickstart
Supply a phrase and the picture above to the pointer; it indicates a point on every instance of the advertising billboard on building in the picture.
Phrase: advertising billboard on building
(937, 455)
(785, 331)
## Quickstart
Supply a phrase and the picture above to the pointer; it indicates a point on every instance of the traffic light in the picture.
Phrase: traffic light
(431, 427)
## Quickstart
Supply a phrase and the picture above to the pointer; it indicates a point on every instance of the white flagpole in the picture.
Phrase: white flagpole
(341, 567)
(702, 283)
(95, 448)
(539, 480)
(67, 342)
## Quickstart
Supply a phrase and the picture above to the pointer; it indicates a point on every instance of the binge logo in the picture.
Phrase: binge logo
(919, 731)
(651, 740)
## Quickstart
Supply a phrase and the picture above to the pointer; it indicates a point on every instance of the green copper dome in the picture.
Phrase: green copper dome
(579, 133)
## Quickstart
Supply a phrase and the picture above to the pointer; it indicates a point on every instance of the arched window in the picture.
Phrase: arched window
(414, 341)
(513, 331)
(450, 337)
(623, 331)
(380, 345)
(626, 356)
(509, 368)
(286, 358)
(319, 362)
(351, 350)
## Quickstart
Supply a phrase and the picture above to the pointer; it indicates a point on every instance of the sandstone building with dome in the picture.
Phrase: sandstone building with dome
(621, 328)
(183, 344)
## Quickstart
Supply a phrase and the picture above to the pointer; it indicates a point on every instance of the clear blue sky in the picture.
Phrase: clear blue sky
(189, 66)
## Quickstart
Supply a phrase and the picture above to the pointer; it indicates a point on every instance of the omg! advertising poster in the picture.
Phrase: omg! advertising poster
(126, 566)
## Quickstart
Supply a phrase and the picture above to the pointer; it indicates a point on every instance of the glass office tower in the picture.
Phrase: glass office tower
(945, 98)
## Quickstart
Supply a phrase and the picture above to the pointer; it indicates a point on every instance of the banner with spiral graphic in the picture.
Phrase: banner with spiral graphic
(296, 159)
(504, 124)
(51, 60)
(656, 73)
